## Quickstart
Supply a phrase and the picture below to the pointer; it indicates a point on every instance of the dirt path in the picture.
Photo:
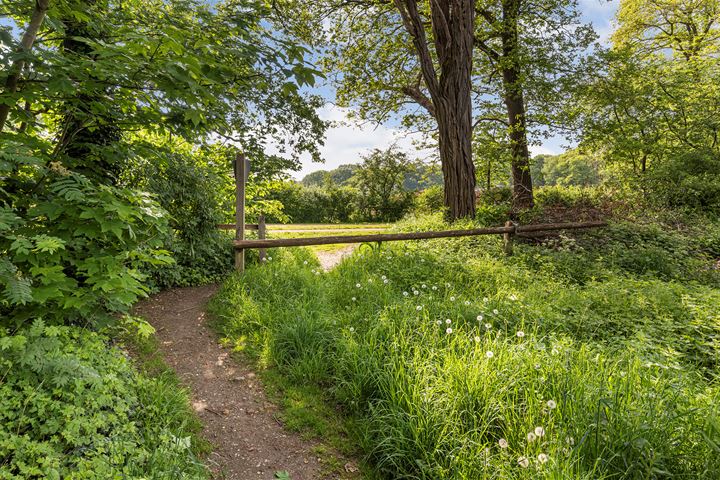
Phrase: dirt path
(238, 419)
(328, 259)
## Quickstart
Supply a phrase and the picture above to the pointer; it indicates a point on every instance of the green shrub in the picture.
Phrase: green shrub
(429, 201)
(75, 253)
(73, 407)
(193, 188)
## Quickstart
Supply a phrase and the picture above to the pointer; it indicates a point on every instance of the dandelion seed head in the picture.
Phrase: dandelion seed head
(512, 297)
(305, 262)
(467, 302)
(352, 329)
(405, 294)
(520, 334)
(434, 287)
(539, 431)
(524, 462)
(452, 299)
(542, 458)
(489, 354)
(479, 318)
(353, 299)
(448, 321)
(477, 339)
(488, 326)
(418, 308)
(357, 285)
(531, 437)
(415, 292)
(423, 286)
(383, 277)
(495, 311)
(551, 404)
(503, 443)
(448, 330)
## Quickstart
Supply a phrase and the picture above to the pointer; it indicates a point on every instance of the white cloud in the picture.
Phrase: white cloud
(346, 142)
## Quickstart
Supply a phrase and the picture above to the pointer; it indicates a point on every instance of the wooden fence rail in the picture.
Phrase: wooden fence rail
(231, 226)
(508, 230)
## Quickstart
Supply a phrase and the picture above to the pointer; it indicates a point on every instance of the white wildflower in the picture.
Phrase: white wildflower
(452, 299)
(448, 321)
(448, 330)
(357, 285)
(520, 334)
(489, 354)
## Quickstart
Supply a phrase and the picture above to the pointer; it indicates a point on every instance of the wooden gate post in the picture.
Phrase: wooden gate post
(508, 240)
(240, 176)
(261, 236)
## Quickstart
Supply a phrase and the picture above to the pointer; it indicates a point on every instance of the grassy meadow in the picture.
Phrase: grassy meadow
(592, 356)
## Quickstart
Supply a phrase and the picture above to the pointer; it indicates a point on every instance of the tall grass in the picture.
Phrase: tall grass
(456, 363)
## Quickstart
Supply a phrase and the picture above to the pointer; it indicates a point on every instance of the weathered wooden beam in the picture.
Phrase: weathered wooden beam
(390, 237)
(231, 226)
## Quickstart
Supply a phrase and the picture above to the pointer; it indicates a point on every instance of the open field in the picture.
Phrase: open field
(588, 357)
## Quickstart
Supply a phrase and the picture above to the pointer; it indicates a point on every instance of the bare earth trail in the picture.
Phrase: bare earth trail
(238, 419)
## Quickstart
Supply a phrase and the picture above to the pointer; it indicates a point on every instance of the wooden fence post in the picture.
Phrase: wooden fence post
(240, 209)
(508, 239)
(261, 236)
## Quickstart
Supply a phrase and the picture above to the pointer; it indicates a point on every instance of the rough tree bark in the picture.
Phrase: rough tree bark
(453, 23)
(11, 82)
(515, 105)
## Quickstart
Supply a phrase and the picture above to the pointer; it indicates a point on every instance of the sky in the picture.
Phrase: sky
(347, 142)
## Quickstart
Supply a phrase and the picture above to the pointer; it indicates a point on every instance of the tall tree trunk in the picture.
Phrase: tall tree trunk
(522, 188)
(454, 134)
(36, 20)
(453, 24)
(86, 131)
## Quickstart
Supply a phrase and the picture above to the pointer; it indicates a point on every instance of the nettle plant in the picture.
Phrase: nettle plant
(73, 252)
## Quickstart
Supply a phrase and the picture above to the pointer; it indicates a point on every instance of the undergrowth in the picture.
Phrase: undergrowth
(449, 361)
(72, 406)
